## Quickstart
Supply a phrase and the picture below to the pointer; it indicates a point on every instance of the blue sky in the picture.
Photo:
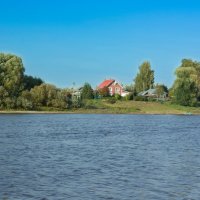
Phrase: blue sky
(68, 41)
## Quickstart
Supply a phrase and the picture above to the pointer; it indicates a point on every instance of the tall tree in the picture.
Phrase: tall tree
(87, 92)
(186, 88)
(11, 73)
(145, 78)
(11, 77)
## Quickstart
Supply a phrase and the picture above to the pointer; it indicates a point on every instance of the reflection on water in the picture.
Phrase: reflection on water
(83, 157)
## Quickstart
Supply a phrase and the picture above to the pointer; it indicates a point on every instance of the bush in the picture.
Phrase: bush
(140, 98)
(152, 99)
(111, 100)
(104, 92)
(129, 96)
(25, 103)
(10, 103)
(118, 96)
(77, 103)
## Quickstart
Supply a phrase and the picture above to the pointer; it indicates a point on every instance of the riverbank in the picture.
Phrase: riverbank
(120, 107)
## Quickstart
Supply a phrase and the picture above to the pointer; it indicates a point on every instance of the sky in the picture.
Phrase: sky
(68, 42)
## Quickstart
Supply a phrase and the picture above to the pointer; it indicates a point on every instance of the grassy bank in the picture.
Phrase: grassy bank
(137, 107)
(120, 107)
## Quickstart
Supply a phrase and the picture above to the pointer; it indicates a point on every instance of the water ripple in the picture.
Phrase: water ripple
(50, 157)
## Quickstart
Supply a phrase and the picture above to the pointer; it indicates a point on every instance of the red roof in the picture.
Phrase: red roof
(106, 83)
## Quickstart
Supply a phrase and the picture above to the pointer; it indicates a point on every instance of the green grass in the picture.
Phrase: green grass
(103, 106)
(137, 107)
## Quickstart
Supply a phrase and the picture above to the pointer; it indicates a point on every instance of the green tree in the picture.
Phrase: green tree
(25, 101)
(76, 102)
(130, 88)
(87, 92)
(63, 99)
(49, 96)
(186, 87)
(132, 92)
(104, 92)
(144, 80)
(161, 89)
(44, 95)
(30, 82)
(3, 95)
(11, 78)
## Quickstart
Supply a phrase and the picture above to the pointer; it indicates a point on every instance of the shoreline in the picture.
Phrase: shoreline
(92, 112)
(120, 107)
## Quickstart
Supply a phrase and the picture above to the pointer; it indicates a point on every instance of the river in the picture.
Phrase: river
(93, 157)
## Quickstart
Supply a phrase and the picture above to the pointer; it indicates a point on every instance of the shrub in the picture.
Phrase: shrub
(104, 92)
(111, 100)
(76, 103)
(118, 96)
(140, 98)
(129, 96)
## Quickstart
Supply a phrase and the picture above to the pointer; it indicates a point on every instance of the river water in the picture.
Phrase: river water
(89, 157)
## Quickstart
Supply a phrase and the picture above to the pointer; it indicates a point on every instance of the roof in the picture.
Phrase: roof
(106, 83)
(148, 92)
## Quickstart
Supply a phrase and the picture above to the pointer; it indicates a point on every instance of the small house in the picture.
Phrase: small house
(152, 93)
(76, 94)
(113, 86)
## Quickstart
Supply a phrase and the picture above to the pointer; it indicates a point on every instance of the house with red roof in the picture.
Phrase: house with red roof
(113, 86)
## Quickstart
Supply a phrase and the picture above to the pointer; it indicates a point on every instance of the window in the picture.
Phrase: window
(117, 90)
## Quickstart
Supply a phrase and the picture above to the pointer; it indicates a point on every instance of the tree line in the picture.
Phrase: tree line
(21, 91)
(185, 89)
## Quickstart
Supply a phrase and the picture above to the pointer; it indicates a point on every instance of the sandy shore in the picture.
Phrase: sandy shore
(93, 112)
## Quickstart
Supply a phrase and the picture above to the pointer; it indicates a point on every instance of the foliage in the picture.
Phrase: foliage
(96, 94)
(186, 88)
(76, 103)
(22, 91)
(63, 99)
(50, 96)
(140, 98)
(129, 88)
(145, 78)
(25, 101)
(3, 95)
(44, 94)
(130, 96)
(87, 92)
(161, 89)
(132, 92)
(13, 83)
(118, 96)
(104, 92)
(88, 104)
(111, 100)
(19, 91)
(30, 82)
(11, 79)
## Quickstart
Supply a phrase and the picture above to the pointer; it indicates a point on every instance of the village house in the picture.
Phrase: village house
(153, 94)
(114, 87)
(76, 93)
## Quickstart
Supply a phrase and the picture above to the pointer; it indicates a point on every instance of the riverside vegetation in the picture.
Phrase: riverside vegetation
(20, 92)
